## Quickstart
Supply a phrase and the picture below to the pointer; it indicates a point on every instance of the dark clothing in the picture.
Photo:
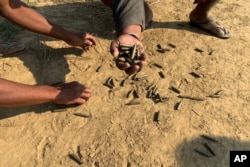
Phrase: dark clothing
(128, 12)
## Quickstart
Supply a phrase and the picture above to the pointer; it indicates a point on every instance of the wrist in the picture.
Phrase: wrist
(51, 93)
(136, 36)
(135, 30)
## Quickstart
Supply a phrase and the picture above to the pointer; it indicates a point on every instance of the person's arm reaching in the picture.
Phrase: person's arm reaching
(14, 94)
(26, 17)
(130, 17)
(128, 35)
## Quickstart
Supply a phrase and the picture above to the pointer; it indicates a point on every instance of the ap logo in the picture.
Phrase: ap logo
(239, 158)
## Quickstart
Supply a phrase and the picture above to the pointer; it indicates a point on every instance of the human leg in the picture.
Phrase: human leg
(148, 14)
(131, 12)
(202, 9)
(199, 17)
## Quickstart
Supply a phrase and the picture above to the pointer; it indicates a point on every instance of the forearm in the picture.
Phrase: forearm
(20, 14)
(14, 94)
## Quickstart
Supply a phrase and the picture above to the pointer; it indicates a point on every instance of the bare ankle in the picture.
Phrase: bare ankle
(199, 17)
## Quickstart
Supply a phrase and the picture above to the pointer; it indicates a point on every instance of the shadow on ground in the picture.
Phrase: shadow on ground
(196, 153)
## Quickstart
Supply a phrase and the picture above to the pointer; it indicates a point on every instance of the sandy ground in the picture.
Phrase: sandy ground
(117, 134)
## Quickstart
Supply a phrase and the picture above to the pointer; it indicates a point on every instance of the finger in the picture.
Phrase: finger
(142, 56)
(114, 52)
(88, 42)
(80, 101)
(86, 93)
(141, 46)
(114, 48)
(87, 90)
(90, 38)
(93, 41)
(132, 70)
(140, 66)
(122, 65)
(86, 96)
(142, 63)
(85, 48)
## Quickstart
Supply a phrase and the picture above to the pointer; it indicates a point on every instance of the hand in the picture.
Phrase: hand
(89, 41)
(72, 93)
(129, 40)
(84, 40)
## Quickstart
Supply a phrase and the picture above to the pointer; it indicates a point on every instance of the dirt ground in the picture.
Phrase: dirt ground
(120, 135)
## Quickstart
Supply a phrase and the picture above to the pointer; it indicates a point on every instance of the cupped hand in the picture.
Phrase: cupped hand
(127, 40)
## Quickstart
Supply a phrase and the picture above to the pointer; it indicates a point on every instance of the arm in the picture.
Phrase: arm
(130, 17)
(20, 14)
(124, 37)
(14, 94)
